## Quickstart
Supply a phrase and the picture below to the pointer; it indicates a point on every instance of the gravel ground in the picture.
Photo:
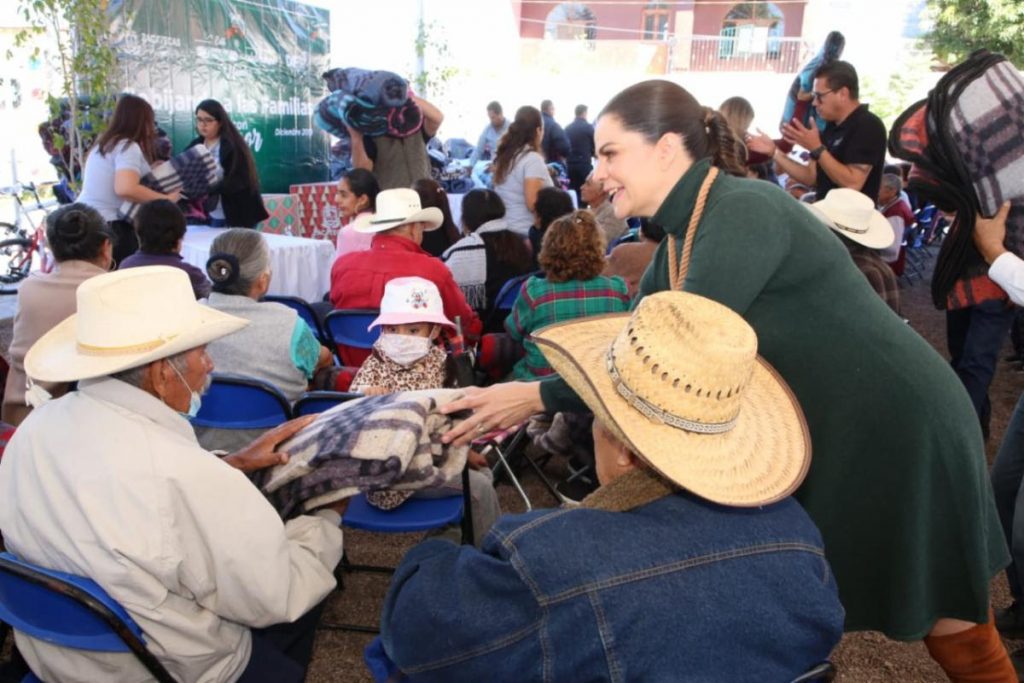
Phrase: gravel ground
(860, 657)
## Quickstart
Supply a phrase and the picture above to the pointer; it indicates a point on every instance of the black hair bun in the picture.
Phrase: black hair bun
(223, 269)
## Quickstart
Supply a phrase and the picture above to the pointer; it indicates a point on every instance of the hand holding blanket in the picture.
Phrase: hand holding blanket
(375, 443)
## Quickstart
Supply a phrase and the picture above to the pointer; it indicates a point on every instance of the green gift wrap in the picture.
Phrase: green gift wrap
(284, 215)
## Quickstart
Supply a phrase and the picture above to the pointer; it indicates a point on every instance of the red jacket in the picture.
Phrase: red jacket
(358, 279)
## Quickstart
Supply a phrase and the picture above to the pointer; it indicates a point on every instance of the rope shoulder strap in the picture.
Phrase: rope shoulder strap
(677, 269)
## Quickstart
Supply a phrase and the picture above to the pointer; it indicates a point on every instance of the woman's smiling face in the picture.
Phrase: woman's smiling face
(628, 169)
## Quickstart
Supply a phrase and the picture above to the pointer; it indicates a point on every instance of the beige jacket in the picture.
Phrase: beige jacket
(43, 301)
(109, 483)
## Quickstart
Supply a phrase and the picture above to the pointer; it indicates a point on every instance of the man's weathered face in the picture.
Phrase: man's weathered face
(175, 391)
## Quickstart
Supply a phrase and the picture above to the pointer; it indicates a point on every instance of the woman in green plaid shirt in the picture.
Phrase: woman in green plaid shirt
(572, 256)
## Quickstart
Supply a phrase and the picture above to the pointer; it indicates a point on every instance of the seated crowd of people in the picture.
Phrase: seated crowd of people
(699, 325)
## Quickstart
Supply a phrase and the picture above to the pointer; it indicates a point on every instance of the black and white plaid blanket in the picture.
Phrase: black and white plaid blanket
(194, 172)
(966, 141)
(376, 443)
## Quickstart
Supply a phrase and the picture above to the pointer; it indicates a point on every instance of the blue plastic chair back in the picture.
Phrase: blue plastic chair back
(347, 326)
(43, 612)
(69, 611)
(305, 311)
(415, 514)
(236, 402)
(509, 292)
(313, 402)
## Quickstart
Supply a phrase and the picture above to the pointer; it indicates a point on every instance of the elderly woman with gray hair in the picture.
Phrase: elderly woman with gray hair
(81, 244)
(278, 346)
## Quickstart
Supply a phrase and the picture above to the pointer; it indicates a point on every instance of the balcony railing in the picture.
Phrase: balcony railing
(738, 53)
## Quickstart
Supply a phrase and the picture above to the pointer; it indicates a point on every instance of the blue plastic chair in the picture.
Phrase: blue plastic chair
(313, 402)
(415, 514)
(69, 611)
(347, 328)
(305, 311)
(237, 402)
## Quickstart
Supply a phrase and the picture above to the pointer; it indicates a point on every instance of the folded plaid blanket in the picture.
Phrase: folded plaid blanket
(378, 88)
(373, 102)
(327, 115)
(370, 444)
(364, 116)
(966, 145)
(194, 172)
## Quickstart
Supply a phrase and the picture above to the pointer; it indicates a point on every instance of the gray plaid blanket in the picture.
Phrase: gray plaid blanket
(375, 443)
(194, 172)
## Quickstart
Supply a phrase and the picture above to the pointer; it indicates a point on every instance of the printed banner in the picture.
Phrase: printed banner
(262, 60)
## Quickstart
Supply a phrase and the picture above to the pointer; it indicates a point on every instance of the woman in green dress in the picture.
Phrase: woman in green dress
(898, 485)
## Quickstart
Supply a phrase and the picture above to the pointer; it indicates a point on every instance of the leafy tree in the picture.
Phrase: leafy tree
(962, 26)
(434, 66)
(79, 33)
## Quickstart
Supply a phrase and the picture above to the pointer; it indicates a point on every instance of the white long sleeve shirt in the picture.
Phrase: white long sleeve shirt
(1007, 271)
(110, 483)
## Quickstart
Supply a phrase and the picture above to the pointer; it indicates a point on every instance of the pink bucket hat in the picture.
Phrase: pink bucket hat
(411, 300)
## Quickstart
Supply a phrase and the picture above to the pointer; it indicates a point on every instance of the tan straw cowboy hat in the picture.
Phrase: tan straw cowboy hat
(398, 207)
(853, 215)
(126, 319)
(681, 385)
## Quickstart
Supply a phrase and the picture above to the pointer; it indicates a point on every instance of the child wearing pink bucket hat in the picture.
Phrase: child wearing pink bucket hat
(406, 356)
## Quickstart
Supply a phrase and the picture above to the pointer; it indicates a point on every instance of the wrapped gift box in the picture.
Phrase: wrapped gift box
(318, 209)
(284, 215)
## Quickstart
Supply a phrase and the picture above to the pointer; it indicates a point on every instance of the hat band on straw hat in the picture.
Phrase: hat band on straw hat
(653, 412)
(90, 350)
(375, 221)
(847, 228)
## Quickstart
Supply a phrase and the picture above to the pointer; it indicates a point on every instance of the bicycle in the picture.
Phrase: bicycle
(21, 247)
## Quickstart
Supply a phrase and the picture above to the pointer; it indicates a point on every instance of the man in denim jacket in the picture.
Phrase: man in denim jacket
(691, 562)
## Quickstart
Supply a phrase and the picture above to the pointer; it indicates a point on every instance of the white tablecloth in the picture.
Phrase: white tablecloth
(301, 267)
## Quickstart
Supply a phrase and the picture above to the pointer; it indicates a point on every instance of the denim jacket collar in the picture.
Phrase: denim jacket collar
(631, 490)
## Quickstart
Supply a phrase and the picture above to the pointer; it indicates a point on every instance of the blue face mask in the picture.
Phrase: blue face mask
(195, 401)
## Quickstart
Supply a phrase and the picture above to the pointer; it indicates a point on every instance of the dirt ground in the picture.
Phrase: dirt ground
(860, 658)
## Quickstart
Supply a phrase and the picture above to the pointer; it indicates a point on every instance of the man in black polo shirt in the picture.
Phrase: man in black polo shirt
(851, 150)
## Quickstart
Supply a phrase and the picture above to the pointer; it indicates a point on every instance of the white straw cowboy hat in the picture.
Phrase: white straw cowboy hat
(126, 319)
(852, 214)
(398, 207)
(681, 385)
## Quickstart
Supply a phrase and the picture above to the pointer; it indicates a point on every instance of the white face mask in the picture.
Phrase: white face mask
(403, 349)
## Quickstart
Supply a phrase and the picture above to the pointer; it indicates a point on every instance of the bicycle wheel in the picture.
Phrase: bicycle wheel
(10, 232)
(15, 263)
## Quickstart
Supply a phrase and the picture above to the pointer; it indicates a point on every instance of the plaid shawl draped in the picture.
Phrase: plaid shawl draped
(371, 444)
(194, 172)
(965, 141)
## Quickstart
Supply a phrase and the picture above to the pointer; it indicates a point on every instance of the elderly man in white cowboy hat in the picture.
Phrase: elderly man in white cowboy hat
(863, 231)
(109, 482)
(358, 278)
(691, 562)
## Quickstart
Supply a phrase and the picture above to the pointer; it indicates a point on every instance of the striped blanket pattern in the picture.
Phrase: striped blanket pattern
(376, 443)
(194, 172)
